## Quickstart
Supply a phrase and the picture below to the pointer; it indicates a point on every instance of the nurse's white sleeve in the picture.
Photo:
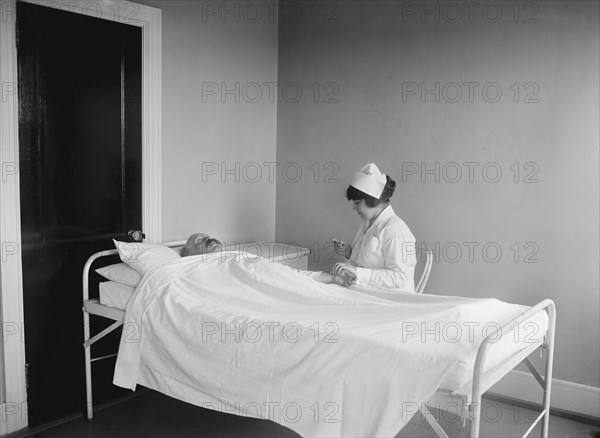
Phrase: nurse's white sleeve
(399, 260)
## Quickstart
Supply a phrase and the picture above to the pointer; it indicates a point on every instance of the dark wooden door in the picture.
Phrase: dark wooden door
(80, 184)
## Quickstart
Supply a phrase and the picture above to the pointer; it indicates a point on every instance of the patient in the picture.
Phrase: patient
(200, 243)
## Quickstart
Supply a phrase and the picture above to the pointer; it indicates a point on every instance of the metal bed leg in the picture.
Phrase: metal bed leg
(549, 362)
(88, 366)
(476, 417)
(429, 417)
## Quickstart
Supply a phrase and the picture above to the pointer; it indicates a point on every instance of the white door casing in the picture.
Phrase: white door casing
(12, 350)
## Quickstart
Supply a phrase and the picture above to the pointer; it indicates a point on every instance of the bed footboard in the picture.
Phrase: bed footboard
(471, 407)
(480, 386)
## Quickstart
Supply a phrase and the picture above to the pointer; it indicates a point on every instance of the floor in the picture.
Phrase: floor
(155, 415)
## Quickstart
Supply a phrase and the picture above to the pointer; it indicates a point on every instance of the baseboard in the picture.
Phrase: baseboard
(34, 431)
(565, 395)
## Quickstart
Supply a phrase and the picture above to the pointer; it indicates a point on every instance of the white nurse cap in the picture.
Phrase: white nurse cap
(369, 180)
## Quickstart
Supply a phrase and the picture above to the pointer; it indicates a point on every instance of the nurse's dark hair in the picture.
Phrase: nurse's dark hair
(353, 194)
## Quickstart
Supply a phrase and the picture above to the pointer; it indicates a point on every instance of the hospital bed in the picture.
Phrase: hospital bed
(488, 366)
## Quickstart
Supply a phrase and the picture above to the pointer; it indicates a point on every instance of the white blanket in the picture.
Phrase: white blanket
(260, 339)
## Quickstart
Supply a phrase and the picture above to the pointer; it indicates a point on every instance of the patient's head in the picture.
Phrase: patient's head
(200, 243)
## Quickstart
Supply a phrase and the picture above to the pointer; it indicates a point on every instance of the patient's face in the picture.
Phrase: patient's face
(202, 244)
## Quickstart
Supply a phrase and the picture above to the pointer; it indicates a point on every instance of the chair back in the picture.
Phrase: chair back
(426, 254)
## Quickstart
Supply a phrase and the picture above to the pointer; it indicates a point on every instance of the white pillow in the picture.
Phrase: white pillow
(115, 294)
(143, 256)
(121, 273)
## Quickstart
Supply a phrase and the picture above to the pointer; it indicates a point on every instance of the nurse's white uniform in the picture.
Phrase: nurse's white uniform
(384, 253)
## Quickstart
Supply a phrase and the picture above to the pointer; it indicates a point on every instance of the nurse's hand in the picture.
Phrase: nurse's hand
(344, 269)
(342, 248)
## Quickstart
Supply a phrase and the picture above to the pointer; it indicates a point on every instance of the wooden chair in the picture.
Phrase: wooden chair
(428, 253)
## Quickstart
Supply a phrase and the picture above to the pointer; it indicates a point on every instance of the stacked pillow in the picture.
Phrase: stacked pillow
(121, 273)
(143, 256)
(124, 277)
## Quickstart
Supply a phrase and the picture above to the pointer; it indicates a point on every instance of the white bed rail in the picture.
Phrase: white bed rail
(546, 381)
(89, 307)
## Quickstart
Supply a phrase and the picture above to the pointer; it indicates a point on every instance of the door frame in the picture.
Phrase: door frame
(13, 392)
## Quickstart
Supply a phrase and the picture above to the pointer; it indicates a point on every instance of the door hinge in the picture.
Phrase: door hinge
(26, 376)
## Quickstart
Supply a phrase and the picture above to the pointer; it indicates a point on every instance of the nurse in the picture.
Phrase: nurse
(383, 251)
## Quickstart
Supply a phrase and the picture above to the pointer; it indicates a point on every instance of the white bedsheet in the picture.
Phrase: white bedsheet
(225, 331)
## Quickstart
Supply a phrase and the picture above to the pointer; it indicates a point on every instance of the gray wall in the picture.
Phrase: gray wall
(372, 56)
(206, 134)
(350, 61)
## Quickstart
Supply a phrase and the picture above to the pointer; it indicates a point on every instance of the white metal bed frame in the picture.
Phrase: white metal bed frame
(94, 307)
(480, 384)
